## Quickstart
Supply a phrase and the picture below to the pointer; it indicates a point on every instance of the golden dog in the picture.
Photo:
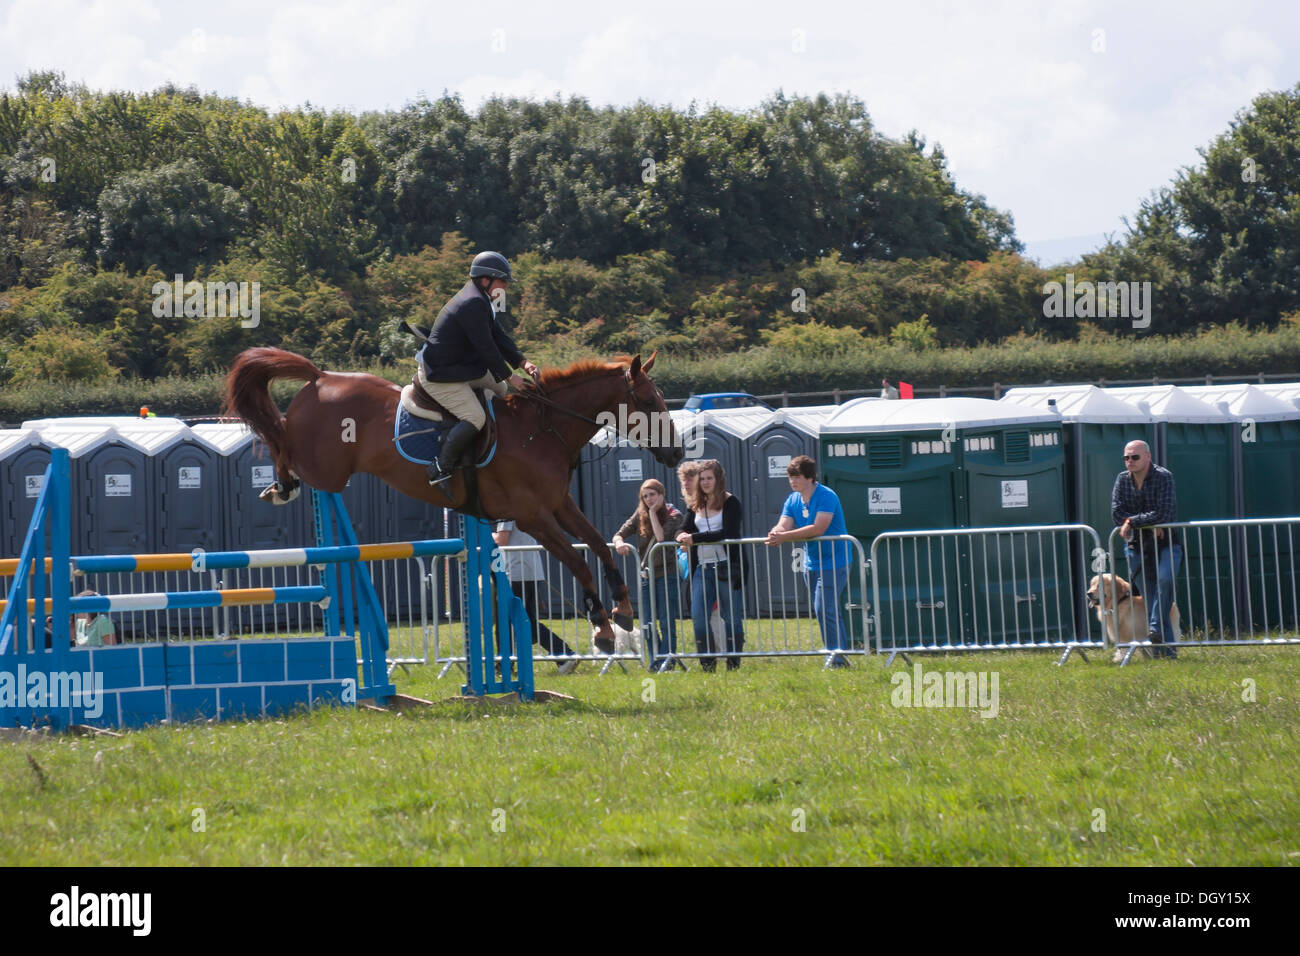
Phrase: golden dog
(1125, 615)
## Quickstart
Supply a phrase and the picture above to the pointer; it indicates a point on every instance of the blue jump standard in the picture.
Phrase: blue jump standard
(140, 684)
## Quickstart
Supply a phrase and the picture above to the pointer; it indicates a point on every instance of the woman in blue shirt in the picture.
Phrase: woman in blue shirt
(811, 511)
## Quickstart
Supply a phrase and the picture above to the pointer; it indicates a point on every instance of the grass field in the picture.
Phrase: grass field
(1162, 763)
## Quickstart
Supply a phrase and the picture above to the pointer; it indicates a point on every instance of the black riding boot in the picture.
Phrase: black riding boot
(453, 445)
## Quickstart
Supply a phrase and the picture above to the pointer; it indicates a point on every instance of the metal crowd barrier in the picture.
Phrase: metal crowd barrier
(404, 586)
(775, 604)
(555, 595)
(984, 589)
(1235, 584)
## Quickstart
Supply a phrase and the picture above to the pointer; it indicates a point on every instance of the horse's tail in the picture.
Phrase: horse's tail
(248, 391)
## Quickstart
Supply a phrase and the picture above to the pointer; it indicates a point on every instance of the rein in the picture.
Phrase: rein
(537, 394)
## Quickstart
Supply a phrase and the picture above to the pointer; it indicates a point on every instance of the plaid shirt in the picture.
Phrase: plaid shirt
(1155, 503)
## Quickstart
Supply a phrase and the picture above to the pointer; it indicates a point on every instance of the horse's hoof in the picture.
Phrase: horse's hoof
(275, 496)
(624, 621)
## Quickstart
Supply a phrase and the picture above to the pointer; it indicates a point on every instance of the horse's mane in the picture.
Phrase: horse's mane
(581, 370)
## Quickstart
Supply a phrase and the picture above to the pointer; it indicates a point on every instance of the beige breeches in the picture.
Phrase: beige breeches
(458, 397)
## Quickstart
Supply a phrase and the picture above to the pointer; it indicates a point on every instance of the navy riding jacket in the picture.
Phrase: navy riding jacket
(467, 342)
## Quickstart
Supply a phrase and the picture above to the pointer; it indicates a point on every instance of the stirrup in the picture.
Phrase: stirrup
(441, 479)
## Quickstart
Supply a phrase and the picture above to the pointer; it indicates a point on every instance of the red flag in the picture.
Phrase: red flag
(904, 390)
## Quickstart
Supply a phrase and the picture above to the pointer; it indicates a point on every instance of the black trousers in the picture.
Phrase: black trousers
(542, 635)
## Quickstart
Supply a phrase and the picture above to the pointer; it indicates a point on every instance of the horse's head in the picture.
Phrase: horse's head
(653, 421)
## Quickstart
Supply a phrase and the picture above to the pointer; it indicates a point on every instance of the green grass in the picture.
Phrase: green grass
(712, 770)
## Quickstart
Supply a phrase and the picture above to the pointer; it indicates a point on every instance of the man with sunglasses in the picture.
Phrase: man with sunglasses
(1144, 496)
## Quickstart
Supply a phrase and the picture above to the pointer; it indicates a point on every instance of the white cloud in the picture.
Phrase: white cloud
(1067, 139)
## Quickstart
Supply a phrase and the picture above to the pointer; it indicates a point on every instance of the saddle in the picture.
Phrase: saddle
(421, 422)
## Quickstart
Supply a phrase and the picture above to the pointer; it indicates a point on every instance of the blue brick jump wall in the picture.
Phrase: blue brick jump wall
(148, 683)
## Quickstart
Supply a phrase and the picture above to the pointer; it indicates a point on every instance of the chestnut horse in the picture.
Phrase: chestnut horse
(341, 423)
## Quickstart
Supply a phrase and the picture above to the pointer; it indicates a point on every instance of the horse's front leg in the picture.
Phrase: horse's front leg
(575, 522)
(550, 536)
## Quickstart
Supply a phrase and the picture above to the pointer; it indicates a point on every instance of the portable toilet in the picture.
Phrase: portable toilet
(1266, 440)
(1266, 454)
(113, 496)
(187, 483)
(1286, 391)
(24, 456)
(252, 524)
(1097, 426)
(770, 439)
(932, 464)
(114, 504)
(1194, 440)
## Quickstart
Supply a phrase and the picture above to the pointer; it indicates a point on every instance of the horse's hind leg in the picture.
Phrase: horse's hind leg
(572, 520)
(548, 533)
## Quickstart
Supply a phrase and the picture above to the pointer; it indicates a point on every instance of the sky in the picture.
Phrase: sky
(1066, 113)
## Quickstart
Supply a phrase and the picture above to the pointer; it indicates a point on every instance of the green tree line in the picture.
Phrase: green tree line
(632, 228)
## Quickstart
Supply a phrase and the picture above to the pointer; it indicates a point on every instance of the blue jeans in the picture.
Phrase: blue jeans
(829, 582)
(1159, 581)
(705, 589)
(661, 633)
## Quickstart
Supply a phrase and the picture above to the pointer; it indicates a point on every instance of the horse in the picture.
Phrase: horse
(341, 423)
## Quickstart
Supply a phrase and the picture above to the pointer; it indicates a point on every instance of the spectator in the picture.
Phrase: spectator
(887, 390)
(1144, 495)
(688, 474)
(656, 520)
(524, 568)
(811, 511)
(715, 516)
(94, 630)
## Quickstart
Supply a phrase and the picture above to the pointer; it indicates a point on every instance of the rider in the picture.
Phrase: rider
(467, 350)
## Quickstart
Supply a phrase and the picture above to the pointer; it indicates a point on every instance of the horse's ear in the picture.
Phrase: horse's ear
(650, 362)
(636, 365)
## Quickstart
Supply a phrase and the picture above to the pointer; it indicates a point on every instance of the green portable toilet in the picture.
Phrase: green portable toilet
(1097, 426)
(943, 463)
(1286, 391)
(1194, 440)
(1266, 458)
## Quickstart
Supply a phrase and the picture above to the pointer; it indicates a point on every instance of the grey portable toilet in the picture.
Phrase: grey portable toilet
(24, 456)
(611, 471)
(114, 505)
(931, 464)
(113, 495)
(720, 435)
(769, 439)
(253, 524)
(187, 477)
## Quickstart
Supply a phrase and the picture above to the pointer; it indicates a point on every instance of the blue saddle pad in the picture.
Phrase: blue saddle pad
(419, 439)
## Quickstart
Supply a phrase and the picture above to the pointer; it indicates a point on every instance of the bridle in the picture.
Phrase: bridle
(538, 394)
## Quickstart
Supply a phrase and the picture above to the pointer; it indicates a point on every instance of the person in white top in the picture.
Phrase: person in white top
(715, 516)
(524, 568)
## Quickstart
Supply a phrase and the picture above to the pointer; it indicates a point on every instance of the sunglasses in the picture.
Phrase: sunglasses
(1132, 457)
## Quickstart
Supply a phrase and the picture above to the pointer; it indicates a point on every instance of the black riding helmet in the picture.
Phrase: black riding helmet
(492, 264)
